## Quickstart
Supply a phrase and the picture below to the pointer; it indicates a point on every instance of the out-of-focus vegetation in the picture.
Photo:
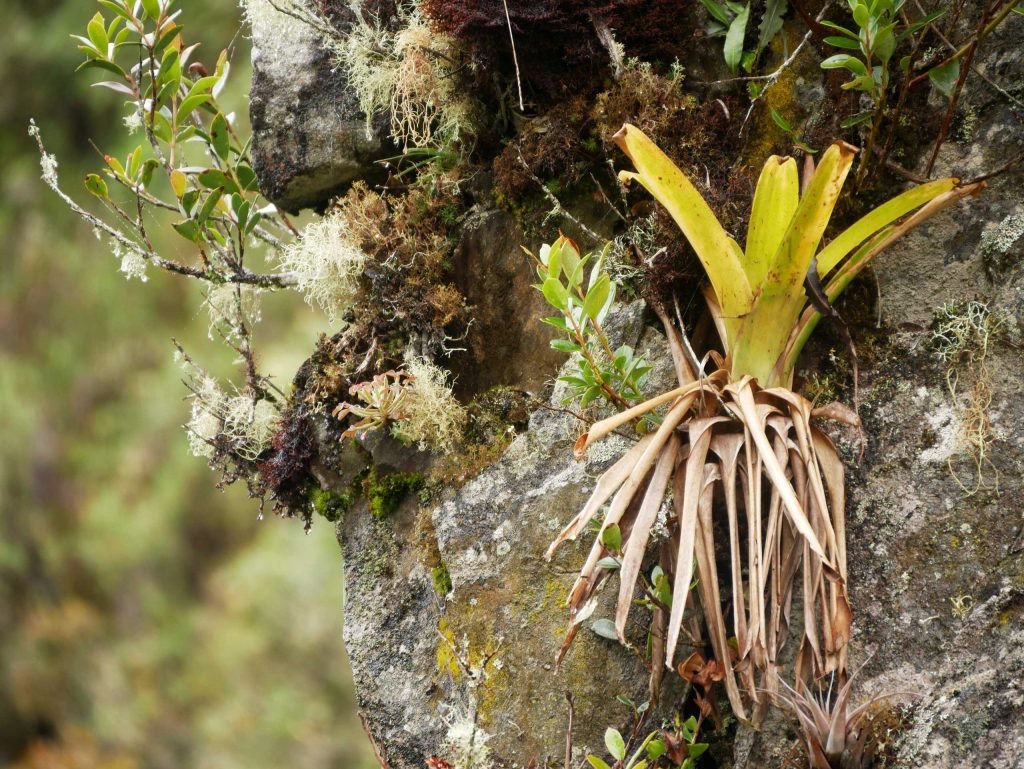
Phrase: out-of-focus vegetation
(146, 619)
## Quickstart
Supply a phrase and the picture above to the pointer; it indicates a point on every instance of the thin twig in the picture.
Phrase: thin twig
(281, 280)
(999, 171)
(568, 733)
(557, 208)
(774, 76)
(515, 58)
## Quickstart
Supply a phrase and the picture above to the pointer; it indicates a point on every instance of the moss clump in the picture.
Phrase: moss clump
(332, 505)
(442, 580)
(494, 419)
(384, 493)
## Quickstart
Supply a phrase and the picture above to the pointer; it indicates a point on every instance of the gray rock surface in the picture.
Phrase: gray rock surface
(425, 663)
(309, 137)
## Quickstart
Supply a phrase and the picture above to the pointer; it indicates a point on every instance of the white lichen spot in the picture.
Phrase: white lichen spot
(221, 422)
(48, 165)
(1001, 239)
(466, 743)
(503, 549)
(133, 265)
(946, 424)
(133, 121)
(232, 306)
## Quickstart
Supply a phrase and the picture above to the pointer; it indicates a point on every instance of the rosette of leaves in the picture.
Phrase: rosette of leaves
(737, 441)
(381, 400)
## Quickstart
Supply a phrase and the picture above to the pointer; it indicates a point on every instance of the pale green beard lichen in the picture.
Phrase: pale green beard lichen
(236, 423)
(433, 417)
(326, 263)
(409, 74)
(232, 307)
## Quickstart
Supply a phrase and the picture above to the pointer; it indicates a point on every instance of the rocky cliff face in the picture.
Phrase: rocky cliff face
(453, 618)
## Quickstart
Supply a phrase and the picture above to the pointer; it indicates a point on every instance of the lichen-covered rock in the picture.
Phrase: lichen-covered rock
(426, 661)
(309, 138)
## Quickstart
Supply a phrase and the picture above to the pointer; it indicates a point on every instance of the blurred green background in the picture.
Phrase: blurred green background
(146, 618)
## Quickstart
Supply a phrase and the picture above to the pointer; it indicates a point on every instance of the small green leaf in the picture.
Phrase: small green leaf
(162, 126)
(109, 66)
(718, 13)
(564, 345)
(656, 749)
(611, 537)
(167, 35)
(734, 39)
(592, 393)
(97, 32)
(188, 229)
(861, 15)
(95, 184)
(212, 178)
(843, 42)
(152, 8)
(188, 202)
(837, 28)
(189, 103)
(219, 137)
(208, 206)
(780, 121)
(696, 750)
(556, 294)
(945, 77)
(117, 8)
(556, 321)
(147, 171)
(845, 61)
(612, 739)
(597, 296)
(596, 762)
(133, 162)
(246, 177)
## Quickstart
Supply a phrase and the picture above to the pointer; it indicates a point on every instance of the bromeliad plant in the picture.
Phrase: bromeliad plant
(740, 436)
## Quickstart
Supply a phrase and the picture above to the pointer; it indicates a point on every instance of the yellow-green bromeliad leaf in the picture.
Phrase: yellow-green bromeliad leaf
(757, 297)
(720, 254)
(780, 296)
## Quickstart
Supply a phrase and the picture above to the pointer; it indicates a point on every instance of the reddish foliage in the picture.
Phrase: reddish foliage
(286, 473)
